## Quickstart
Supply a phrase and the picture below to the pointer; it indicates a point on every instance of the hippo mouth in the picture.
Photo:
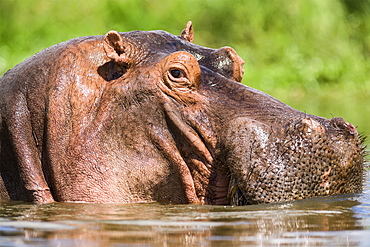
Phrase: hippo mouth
(235, 194)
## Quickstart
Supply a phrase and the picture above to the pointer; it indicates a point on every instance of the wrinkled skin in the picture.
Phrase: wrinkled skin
(149, 116)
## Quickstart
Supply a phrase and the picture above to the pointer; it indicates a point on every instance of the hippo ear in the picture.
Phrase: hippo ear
(227, 60)
(188, 32)
(115, 48)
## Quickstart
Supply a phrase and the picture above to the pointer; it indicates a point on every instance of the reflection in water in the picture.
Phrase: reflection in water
(331, 221)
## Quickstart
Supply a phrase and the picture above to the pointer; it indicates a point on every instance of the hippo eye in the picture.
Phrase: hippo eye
(180, 73)
(176, 73)
(178, 78)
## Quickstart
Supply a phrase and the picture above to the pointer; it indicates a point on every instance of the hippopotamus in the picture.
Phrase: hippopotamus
(147, 116)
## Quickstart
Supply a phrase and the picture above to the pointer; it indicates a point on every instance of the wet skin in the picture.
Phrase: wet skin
(150, 116)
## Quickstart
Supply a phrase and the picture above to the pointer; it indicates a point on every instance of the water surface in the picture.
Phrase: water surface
(329, 221)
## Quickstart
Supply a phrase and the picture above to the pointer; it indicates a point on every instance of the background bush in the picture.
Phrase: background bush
(310, 54)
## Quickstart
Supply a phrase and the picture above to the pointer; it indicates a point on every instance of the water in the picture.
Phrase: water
(329, 221)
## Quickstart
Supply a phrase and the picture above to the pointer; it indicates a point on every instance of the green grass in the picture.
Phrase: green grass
(310, 54)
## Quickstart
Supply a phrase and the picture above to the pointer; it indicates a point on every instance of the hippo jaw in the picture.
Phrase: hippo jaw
(304, 159)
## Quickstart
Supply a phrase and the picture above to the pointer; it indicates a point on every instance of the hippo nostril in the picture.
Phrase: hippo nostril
(339, 123)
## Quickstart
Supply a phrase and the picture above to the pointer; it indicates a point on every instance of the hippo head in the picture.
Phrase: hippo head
(230, 143)
(150, 116)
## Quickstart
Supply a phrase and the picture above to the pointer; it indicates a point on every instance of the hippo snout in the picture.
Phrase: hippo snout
(302, 159)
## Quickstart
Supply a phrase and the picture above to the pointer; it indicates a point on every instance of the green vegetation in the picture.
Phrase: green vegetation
(311, 54)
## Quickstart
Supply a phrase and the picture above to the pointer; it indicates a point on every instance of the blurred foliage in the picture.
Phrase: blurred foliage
(311, 54)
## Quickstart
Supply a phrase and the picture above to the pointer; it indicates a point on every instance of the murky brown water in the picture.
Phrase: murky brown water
(330, 221)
